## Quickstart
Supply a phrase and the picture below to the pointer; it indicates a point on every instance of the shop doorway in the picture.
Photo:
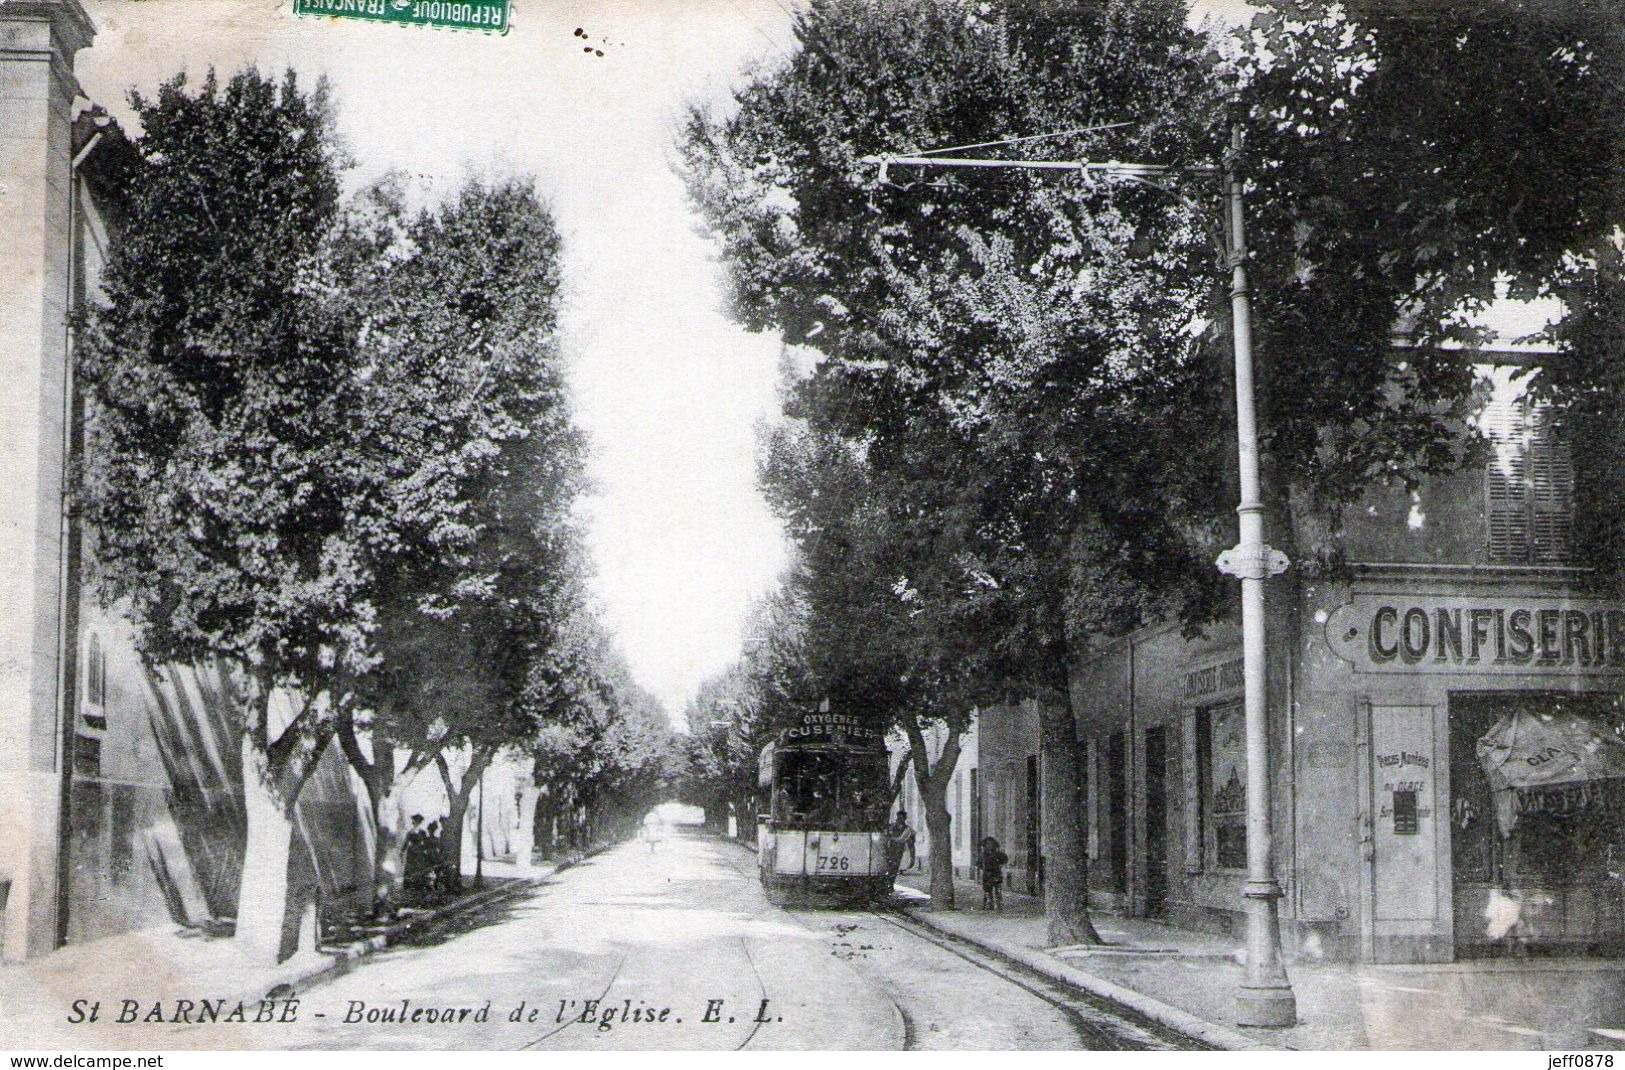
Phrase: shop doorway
(1117, 810)
(1156, 822)
(1402, 916)
(1537, 819)
(1035, 818)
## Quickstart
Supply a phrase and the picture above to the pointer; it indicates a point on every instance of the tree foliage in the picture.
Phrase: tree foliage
(1411, 163)
(218, 477)
(998, 355)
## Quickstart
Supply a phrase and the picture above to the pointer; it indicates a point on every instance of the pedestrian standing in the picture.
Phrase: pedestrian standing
(992, 861)
(899, 842)
(419, 861)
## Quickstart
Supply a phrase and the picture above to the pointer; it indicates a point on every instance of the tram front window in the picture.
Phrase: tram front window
(832, 790)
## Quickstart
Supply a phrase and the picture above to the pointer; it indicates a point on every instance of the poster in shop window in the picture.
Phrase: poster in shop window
(1227, 787)
(522, 518)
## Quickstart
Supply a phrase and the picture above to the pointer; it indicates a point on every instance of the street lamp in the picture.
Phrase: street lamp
(1265, 997)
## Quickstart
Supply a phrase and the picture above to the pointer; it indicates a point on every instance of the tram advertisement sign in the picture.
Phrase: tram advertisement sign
(832, 728)
(1421, 633)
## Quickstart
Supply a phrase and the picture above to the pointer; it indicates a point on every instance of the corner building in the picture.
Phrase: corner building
(1446, 728)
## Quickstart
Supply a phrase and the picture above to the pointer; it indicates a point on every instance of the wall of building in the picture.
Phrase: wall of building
(155, 818)
(37, 44)
(1377, 725)
(1153, 690)
(1008, 742)
(1381, 684)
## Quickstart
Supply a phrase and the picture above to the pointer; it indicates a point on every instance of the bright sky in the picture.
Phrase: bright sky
(669, 391)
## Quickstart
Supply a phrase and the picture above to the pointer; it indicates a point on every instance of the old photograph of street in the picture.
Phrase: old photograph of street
(764, 525)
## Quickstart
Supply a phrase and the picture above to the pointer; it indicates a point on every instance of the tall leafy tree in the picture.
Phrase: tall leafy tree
(219, 478)
(470, 433)
(1411, 163)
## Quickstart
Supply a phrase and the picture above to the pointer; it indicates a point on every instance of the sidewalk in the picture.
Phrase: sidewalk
(1187, 980)
(166, 963)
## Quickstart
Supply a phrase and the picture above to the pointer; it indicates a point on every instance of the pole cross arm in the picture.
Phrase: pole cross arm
(1256, 562)
(1114, 167)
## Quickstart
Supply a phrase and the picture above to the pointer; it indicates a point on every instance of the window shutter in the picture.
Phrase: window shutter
(1551, 486)
(1529, 485)
(1506, 505)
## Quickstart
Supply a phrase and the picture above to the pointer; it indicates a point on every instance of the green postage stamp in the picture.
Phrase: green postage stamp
(488, 15)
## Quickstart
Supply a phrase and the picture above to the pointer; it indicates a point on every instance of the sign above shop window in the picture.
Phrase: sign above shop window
(1217, 679)
(1409, 633)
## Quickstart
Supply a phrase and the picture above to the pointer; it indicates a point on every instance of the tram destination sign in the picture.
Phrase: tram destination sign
(1410, 633)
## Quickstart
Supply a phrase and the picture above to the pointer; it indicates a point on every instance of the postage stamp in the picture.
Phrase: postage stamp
(488, 15)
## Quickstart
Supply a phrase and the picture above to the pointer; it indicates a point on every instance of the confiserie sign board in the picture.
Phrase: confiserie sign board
(1421, 633)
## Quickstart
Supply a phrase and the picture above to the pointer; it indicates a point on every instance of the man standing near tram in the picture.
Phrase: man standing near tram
(899, 842)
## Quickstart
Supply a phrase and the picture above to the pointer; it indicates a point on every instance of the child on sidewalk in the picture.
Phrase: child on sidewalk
(992, 863)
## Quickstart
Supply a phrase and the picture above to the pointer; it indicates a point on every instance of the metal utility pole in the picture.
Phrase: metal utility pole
(1265, 997)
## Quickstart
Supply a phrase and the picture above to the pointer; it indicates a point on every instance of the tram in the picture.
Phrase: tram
(823, 839)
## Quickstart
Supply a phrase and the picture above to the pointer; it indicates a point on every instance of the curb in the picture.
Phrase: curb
(341, 960)
(1170, 1017)
(346, 958)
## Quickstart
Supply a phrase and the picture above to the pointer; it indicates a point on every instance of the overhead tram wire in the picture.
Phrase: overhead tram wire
(1019, 140)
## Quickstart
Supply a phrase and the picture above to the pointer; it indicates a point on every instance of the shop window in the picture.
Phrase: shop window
(1529, 484)
(1549, 845)
(1221, 744)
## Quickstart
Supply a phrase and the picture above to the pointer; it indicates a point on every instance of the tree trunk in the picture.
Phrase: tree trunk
(933, 781)
(524, 841)
(385, 791)
(939, 830)
(389, 846)
(262, 900)
(457, 799)
(1066, 874)
(451, 838)
(545, 828)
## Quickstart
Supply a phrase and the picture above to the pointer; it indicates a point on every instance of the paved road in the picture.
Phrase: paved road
(680, 950)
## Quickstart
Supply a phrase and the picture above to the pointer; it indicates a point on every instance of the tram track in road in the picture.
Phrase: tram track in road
(567, 1023)
(620, 966)
(1099, 1024)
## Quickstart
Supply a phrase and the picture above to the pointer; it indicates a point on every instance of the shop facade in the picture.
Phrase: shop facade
(1446, 732)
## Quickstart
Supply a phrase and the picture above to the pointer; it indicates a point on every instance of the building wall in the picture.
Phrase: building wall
(1160, 681)
(155, 820)
(1008, 742)
(37, 44)
(1377, 726)
(958, 797)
